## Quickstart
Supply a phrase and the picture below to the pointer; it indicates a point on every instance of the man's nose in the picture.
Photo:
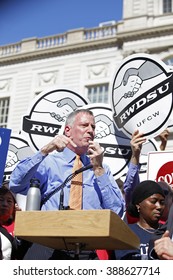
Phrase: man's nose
(90, 128)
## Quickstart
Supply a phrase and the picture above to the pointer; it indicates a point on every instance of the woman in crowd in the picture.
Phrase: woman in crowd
(147, 204)
(8, 244)
(10, 247)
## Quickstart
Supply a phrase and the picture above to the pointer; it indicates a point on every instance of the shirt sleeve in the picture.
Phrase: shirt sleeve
(112, 197)
(132, 180)
(24, 171)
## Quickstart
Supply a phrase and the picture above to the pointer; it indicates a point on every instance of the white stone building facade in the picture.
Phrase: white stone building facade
(82, 60)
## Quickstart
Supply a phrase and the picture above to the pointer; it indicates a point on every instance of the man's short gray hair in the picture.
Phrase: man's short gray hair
(71, 117)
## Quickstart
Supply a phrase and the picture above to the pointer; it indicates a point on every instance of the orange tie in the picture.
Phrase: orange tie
(75, 201)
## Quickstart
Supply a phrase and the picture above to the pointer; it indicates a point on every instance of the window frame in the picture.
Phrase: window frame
(167, 6)
(101, 92)
(4, 111)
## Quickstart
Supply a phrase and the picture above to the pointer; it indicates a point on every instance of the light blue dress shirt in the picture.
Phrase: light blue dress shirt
(98, 192)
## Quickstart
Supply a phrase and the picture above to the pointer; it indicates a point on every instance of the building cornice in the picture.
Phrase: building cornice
(58, 51)
(72, 42)
(77, 41)
(145, 33)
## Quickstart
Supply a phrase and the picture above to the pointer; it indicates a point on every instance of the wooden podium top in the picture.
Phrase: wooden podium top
(92, 229)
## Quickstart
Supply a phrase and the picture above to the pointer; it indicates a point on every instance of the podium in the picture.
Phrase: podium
(92, 229)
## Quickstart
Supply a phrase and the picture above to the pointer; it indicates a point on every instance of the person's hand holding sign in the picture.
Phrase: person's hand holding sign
(164, 138)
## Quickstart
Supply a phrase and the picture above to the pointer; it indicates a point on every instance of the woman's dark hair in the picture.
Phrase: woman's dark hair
(142, 191)
(3, 191)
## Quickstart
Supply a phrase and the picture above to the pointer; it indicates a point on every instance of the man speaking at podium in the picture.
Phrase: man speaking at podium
(54, 163)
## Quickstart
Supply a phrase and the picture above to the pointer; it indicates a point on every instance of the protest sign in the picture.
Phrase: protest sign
(4, 143)
(116, 145)
(160, 166)
(141, 86)
(18, 150)
(47, 115)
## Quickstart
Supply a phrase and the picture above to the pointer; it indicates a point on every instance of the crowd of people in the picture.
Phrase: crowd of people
(146, 207)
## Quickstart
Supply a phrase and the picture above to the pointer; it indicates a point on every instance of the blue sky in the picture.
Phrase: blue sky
(21, 19)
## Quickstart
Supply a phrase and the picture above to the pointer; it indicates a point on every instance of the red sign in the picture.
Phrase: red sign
(165, 173)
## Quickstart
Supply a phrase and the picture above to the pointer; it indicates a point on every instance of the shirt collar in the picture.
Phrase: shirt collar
(69, 156)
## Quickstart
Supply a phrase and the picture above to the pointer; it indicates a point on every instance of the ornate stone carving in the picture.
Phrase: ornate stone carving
(47, 78)
(5, 85)
(97, 71)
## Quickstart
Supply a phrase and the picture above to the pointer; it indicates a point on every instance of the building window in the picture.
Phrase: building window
(98, 93)
(167, 6)
(4, 109)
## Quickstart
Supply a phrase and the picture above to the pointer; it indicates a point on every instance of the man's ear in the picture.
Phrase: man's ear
(67, 130)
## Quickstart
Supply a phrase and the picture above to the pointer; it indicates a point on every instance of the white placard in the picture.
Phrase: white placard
(160, 166)
(141, 86)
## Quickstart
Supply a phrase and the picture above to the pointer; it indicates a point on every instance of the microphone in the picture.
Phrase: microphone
(61, 187)
(83, 169)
